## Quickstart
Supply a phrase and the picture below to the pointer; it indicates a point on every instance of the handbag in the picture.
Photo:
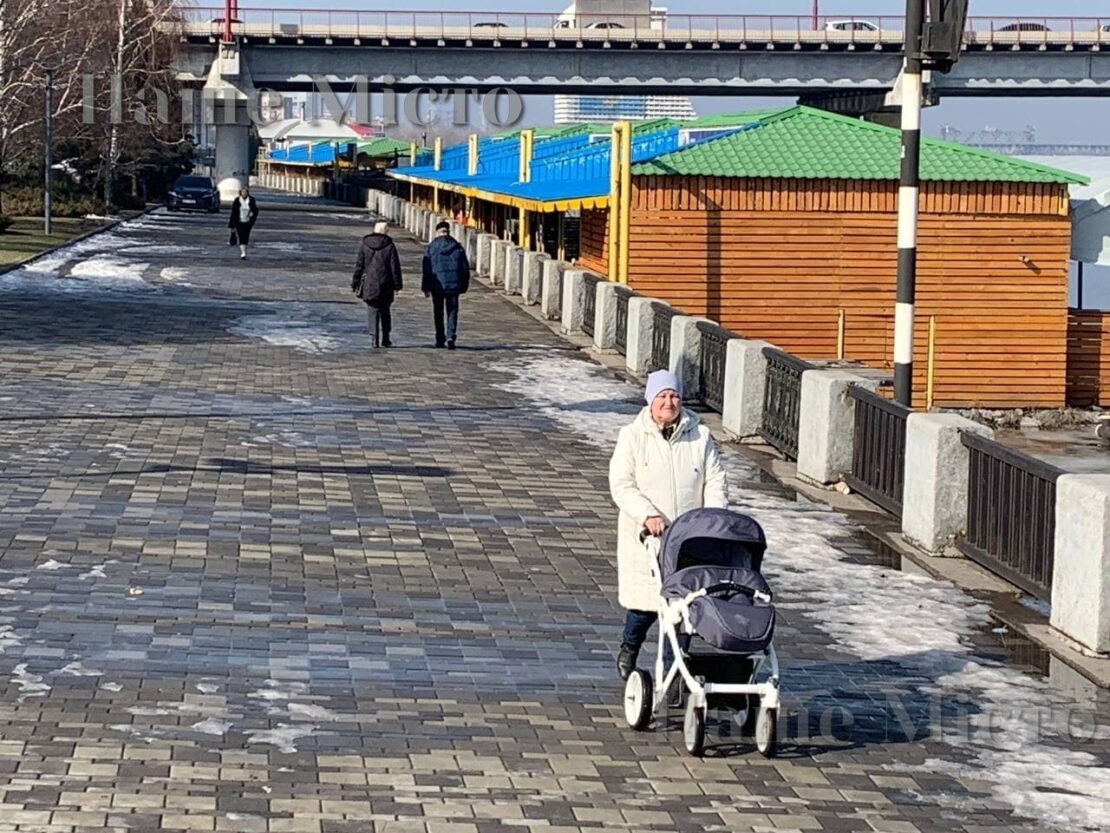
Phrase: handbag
(233, 240)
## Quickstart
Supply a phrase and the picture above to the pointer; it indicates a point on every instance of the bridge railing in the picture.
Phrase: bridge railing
(875, 30)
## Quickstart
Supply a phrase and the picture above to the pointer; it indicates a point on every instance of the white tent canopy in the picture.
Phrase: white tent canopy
(1090, 234)
(295, 131)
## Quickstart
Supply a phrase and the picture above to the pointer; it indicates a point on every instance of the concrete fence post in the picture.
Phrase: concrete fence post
(470, 237)
(827, 425)
(574, 301)
(641, 324)
(485, 248)
(531, 286)
(745, 383)
(1081, 569)
(551, 293)
(605, 316)
(499, 255)
(934, 497)
(514, 270)
(685, 359)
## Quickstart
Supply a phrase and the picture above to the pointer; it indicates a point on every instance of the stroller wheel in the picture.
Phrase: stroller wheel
(693, 729)
(638, 700)
(767, 732)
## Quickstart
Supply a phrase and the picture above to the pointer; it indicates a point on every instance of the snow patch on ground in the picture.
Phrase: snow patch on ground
(78, 669)
(306, 711)
(279, 247)
(175, 274)
(30, 685)
(286, 439)
(286, 330)
(863, 608)
(97, 571)
(284, 737)
(111, 272)
(212, 726)
(51, 565)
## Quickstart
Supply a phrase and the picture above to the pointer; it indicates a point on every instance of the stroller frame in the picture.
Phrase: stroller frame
(673, 617)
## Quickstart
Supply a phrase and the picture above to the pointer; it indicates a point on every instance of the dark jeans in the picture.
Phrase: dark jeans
(383, 318)
(637, 623)
(450, 305)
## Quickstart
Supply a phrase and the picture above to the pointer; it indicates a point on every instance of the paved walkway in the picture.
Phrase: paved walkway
(257, 577)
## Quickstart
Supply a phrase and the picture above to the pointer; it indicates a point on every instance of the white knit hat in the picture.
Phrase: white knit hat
(659, 381)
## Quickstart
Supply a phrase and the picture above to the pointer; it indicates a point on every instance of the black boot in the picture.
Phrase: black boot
(626, 661)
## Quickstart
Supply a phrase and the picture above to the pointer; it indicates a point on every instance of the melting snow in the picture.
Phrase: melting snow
(30, 685)
(856, 605)
(212, 726)
(284, 737)
(285, 330)
(78, 669)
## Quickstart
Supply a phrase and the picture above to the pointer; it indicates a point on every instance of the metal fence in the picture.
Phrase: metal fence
(661, 335)
(1011, 514)
(711, 370)
(879, 450)
(621, 336)
(589, 306)
(782, 399)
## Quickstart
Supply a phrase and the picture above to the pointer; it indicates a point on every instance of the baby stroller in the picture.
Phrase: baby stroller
(707, 569)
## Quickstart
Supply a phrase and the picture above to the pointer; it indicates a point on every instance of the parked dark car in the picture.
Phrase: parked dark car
(193, 193)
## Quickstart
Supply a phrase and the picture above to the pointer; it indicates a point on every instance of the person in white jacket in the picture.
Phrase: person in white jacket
(666, 463)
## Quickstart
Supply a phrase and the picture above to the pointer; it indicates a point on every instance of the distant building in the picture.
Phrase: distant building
(571, 109)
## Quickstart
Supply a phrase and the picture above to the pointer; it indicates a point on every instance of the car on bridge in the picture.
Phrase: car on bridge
(193, 193)
(851, 26)
(490, 24)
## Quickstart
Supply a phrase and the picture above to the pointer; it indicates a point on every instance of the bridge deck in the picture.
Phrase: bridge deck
(255, 576)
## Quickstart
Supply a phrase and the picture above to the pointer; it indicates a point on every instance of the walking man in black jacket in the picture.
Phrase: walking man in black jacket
(377, 278)
(446, 277)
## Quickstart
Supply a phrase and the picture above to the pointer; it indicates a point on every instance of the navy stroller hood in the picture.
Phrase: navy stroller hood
(712, 538)
(716, 548)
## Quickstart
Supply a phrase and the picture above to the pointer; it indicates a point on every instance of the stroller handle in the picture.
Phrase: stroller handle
(738, 588)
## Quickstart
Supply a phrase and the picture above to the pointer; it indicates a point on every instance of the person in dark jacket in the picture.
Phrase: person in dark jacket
(446, 277)
(377, 278)
(244, 211)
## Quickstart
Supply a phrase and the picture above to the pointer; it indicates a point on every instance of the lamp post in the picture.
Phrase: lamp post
(908, 191)
(816, 13)
(48, 155)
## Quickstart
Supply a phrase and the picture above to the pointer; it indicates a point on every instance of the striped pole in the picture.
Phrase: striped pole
(908, 191)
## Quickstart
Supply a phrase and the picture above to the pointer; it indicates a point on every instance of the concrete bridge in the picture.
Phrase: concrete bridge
(688, 55)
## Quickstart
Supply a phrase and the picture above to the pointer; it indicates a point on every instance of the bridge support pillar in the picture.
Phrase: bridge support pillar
(228, 93)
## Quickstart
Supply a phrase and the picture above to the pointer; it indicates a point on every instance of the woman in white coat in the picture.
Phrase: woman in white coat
(666, 463)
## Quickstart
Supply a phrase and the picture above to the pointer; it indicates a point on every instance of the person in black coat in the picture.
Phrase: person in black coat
(244, 211)
(446, 277)
(377, 279)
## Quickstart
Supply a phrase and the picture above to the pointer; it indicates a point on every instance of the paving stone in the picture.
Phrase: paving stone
(255, 576)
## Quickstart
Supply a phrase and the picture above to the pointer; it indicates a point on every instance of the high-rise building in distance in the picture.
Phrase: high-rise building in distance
(570, 109)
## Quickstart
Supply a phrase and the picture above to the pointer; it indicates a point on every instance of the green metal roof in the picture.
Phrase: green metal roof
(383, 146)
(804, 143)
(730, 119)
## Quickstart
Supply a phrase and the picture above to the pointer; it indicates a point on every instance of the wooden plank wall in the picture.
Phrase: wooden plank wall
(593, 240)
(1088, 358)
(771, 265)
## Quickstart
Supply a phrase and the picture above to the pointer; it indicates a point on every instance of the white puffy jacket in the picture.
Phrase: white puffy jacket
(649, 476)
